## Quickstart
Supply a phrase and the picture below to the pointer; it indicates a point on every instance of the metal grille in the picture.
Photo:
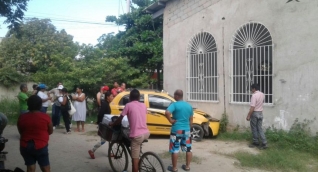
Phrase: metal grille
(202, 74)
(251, 58)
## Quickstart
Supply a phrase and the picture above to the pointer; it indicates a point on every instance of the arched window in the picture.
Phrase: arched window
(252, 62)
(202, 77)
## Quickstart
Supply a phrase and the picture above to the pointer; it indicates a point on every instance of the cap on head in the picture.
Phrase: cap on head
(42, 86)
(105, 88)
(60, 87)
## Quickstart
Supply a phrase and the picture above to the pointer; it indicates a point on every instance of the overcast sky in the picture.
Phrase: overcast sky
(82, 13)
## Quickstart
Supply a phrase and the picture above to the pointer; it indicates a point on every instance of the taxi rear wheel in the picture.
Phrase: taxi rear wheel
(197, 132)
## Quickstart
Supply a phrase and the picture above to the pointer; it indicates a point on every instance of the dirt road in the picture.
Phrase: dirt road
(68, 153)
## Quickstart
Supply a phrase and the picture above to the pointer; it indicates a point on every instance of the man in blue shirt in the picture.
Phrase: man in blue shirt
(181, 120)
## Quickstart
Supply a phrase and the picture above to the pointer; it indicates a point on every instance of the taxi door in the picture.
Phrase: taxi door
(156, 119)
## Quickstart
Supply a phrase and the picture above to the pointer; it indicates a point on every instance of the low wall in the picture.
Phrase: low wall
(12, 92)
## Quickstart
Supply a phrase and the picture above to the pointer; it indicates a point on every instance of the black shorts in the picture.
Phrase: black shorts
(31, 155)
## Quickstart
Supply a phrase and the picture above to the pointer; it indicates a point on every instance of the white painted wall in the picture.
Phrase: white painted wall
(293, 27)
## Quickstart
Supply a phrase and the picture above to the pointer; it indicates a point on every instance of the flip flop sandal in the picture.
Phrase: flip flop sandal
(170, 168)
(184, 167)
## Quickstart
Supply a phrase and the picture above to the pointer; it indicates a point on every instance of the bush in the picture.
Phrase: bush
(298, 138)
(10, 107)
(223, 123)
(293, 150)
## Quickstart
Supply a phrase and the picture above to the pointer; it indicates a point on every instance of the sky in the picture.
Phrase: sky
(85, 11)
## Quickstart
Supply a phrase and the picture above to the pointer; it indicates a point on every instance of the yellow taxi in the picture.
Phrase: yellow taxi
(157, 102)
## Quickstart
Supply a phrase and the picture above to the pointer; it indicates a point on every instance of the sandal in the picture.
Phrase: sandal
(184, 167)
(170, 168)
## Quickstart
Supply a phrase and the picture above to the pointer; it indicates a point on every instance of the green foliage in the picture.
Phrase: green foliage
(223, 123)
(10, 77)
(298, 138)
(34, 47)
(278, 160)
(236, 135)
(13, 10)
(40, 53)
(111, 19)
(291, 150)
(10, 108)
(141, 43)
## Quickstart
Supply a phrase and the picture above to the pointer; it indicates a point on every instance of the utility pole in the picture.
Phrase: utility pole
(128, 6)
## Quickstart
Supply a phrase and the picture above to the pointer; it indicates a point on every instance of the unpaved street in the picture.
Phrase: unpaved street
(69, 152)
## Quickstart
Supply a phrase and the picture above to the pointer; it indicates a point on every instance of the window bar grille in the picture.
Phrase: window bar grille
(202, 70)
(251, 59)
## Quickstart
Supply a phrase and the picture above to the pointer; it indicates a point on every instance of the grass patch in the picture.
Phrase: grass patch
(182, 157)
(293, 150)
(91, 118)
(275, 159)
(236, 135)
(10, 107)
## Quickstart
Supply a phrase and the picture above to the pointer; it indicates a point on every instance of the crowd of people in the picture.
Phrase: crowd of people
(35, 126)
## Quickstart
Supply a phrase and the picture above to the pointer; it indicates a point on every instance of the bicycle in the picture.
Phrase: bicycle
(118, 156)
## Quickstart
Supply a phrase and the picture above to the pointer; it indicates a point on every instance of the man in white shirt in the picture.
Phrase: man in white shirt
(56, 107)
(45, 97)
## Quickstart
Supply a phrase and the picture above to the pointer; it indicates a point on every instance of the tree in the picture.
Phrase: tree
(141, 42)
(35, 47)
(42, 54)
(38, 43)
(13, 10)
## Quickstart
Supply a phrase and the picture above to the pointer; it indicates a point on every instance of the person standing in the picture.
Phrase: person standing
(100, 95)
(64, 101)
(35, 89)
(56, 107)
(122, 88)
(115, 90)
(180, 137)
(105, 109)
(34, 128)
(23, 97)
(255, 116)
(137, 117)
(80, 106)
(45, 97)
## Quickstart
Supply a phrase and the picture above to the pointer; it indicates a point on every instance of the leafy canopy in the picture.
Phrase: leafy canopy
(13, 10)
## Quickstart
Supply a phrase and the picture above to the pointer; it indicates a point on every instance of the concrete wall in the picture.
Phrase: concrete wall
(293, 27)
(12, 92)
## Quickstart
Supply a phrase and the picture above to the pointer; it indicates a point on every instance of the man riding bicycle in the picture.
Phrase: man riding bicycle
(137, 117)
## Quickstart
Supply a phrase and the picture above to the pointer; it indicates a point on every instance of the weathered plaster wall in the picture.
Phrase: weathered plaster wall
(293, 27)
(12, 92)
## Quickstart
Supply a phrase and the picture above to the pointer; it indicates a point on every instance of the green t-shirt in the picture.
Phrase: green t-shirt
(23, 100)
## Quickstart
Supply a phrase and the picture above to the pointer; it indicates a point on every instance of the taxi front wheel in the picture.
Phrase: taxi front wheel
(197, 132)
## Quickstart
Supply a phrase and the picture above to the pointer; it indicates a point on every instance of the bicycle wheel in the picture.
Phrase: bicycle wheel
(150, 162)
(118, 157)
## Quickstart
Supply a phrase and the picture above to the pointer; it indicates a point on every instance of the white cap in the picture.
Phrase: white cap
(60, 87)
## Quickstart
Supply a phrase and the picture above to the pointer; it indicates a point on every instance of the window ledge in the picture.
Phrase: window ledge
(247, 103)
(204, 101)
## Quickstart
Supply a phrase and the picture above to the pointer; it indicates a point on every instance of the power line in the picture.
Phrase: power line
(71, 21)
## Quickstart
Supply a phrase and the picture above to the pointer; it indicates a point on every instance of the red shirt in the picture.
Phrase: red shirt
(34, 126)
(114, 91)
